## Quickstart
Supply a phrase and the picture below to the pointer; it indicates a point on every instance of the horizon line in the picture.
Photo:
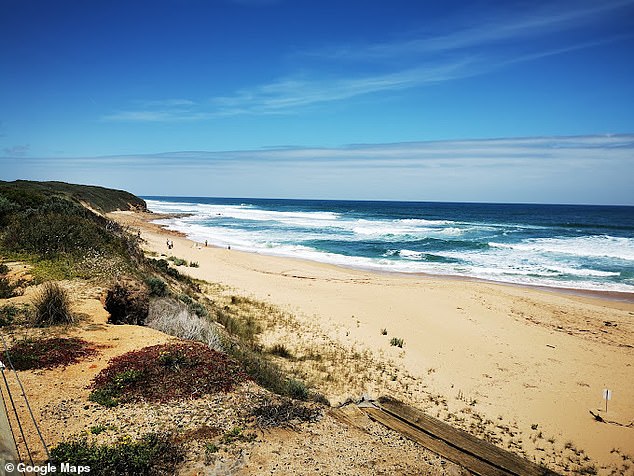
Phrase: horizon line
(378, 200)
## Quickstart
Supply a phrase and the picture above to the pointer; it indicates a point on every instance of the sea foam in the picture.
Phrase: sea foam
(481, 241)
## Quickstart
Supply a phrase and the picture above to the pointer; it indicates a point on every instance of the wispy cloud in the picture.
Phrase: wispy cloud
(496, 41)
(513, 26)
(286, 96)
(165, 110)
(289, 94)
(573, 150)
(585, 169)
(17, 150)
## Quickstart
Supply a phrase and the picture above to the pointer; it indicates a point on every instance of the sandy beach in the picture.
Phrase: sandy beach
(522, 366)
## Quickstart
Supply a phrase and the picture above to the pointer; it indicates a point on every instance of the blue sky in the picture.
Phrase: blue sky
(273, 95)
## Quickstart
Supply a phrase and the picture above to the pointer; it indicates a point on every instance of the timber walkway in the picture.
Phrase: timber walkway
(474, 454)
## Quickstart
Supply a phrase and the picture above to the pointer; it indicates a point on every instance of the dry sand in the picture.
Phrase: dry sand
(529, 360)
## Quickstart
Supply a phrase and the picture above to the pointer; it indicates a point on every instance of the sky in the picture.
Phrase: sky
(510, 101)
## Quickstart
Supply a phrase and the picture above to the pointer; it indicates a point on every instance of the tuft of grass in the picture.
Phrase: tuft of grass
(396, 342)
(151, 454)
(194, 264)
(30, 354)
(211, 448)
(268, 374)
(236, 434)
(383, 332)
(281, 351)
(180, 320)
(52, 306)
(283, 412)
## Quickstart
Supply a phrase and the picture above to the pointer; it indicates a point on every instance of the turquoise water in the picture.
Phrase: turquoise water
(581, 247)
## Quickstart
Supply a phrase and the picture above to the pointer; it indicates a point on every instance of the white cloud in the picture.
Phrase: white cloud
(535, 21)
(495, 41)
(572, 151)
(583, 169)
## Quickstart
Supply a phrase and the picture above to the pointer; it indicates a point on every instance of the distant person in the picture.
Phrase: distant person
(229, 247)
(205, 243)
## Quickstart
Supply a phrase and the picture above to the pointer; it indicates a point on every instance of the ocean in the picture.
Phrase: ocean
(565, 246)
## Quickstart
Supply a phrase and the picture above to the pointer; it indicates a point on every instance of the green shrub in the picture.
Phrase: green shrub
(163, 266)
(98, 429)
(7, 208)
(6, 288)
(108, 395)
(194, 306)
(104, 396)
(157, 286)
(296, 389)
(57, 227)
(153, 454)
(127, 303)
(8, 313)
(52, 306)
(177, 261)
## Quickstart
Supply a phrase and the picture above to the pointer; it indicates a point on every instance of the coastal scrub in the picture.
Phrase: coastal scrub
(151, 454)
(166, 372)
(29, 354)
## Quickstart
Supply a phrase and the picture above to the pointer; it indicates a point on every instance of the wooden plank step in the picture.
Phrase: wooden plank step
(351, 415)
(440, 447)
(462, 440)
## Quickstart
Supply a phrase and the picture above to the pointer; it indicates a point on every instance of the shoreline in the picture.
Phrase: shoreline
(607, 295)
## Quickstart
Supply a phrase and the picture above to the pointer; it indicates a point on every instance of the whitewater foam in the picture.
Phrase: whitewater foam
(507, 251)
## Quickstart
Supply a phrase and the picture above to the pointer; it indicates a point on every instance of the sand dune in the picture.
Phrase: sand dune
(534, 359)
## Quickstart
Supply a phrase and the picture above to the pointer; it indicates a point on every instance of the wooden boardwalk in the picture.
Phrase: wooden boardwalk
(8, 451)
(476, 455)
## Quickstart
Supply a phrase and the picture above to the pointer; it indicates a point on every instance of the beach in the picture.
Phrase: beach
(528, 364)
